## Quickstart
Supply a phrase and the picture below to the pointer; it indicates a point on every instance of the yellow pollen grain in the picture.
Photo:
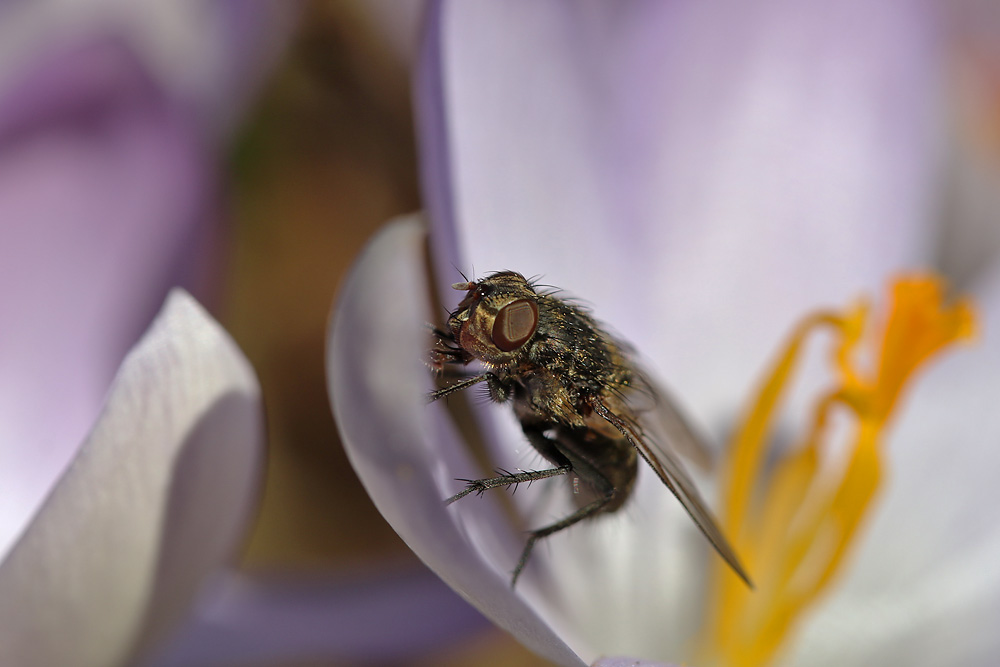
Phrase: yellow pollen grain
(794, 527)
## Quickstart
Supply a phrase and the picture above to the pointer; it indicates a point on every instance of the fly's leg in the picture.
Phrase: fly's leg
(478, 486)
(446, 350)
(458, 386)
(545, 446)
(441, 334)
(583, 469)
(565, 462)
(577, 516)
(500, 390)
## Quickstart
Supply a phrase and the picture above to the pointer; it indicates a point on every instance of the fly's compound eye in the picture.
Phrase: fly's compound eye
(515, 324)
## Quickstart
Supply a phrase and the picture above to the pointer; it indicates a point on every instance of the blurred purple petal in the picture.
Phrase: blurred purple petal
(248, 36)
(728, 163)
(210, 54)
(260, 620)
(156, 499)
(405, 451)
(103, 190)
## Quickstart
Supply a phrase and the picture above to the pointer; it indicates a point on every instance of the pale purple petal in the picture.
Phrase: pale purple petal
(406, 452)
(375, 617)
(103, 194)
(924, 588)
(702, 173)
(156, 499)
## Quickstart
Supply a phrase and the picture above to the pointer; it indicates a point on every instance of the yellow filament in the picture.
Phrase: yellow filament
(794, 527)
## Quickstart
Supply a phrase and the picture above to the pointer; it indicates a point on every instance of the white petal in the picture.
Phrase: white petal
(405, 451)
(156, 498)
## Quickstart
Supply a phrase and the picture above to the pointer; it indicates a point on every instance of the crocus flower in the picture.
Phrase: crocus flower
(705, 175)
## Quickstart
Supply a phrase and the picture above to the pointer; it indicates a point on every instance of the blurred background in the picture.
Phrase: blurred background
(326, 156)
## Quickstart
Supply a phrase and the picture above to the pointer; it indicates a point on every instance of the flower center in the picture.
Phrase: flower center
(794, 524)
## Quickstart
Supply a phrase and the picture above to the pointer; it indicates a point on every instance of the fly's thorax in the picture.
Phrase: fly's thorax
(496, 319)
(573, 347)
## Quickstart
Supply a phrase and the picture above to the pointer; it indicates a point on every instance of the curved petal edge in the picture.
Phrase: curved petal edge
(156, 498)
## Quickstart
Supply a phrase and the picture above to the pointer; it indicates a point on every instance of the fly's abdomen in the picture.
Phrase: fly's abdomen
(611, 463)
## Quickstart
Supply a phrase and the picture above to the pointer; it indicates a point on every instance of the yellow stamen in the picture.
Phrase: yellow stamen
(794, 526)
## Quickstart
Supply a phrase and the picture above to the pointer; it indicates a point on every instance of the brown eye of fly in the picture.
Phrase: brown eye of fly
(515, 324)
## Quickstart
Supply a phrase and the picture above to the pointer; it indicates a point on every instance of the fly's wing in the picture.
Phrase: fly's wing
(664, 421)
(670, 471)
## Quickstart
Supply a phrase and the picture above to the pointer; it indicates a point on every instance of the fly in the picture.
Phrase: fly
(576, 393)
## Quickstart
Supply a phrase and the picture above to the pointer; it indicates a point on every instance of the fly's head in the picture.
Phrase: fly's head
(496, 319)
